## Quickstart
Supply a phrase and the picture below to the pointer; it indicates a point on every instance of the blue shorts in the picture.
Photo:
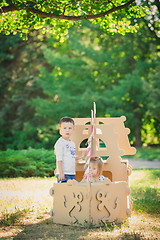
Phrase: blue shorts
(67, 177)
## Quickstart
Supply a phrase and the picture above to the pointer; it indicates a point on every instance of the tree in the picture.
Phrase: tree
(152, 14)
(129, 98)
(58, 16)
(18, 65)
(46, 81)
(103, 70)
(136, 93)
(152, 127)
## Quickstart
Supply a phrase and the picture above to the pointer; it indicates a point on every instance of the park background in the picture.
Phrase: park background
(45, 76)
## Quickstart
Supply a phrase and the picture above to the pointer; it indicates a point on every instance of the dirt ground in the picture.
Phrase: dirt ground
(139, 226)
(36, 223)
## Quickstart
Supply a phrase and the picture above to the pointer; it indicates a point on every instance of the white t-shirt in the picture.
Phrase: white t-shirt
(65, 152)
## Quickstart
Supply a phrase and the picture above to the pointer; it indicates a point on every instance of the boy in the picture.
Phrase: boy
(65, 151)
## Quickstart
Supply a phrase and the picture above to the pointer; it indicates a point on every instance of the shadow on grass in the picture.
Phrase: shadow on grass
(48, 230)
(132, 236)
(8, 219)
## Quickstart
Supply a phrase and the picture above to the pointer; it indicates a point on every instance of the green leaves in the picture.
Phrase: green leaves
(27, 163)
(22, 15)
(43, 80)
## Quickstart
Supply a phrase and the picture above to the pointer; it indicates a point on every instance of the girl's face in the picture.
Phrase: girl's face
(94, 171)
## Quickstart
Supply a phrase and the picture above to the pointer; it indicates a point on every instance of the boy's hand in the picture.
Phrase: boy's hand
(61, 173)
(61, 176)
(84, 153)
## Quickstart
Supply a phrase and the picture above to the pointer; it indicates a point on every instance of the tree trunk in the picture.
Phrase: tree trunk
(138, 141)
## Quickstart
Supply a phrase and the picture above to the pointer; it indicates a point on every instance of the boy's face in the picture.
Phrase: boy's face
(94, 170)
(66, 130)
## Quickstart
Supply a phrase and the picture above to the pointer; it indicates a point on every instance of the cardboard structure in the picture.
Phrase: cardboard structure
(96, 202)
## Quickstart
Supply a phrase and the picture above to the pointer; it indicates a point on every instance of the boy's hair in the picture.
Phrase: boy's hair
(66, 119)
(98, 161)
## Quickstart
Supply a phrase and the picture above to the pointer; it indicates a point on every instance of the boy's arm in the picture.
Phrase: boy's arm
(59, 156)
(61, 174)
(84, 154)
(55, 170)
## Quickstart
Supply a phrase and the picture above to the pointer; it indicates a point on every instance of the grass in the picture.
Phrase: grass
(146, 191)
(147, 153)
(25, 205)
(23, 197)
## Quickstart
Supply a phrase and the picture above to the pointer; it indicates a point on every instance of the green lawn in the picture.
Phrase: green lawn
(145, 191)
(148, 153)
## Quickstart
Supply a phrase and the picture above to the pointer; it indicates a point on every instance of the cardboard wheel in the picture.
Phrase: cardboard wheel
(51, 191)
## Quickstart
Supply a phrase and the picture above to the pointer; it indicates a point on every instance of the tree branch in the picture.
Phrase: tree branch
(12, 8)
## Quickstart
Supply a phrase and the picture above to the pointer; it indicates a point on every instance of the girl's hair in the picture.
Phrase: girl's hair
(66, 119)
(98, 161)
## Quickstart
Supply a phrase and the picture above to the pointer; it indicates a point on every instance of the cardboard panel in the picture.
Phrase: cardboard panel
(92, 203)
(77, 202)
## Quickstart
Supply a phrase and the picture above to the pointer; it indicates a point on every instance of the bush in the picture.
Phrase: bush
(27, 163)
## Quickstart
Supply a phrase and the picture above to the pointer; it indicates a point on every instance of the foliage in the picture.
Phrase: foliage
(42, 162)
(134, 94)
(145, 192)
(114, 77)
(19, 68)
(129, 96)
(43, 80)
(154, 106)
(152, 14)
(27, 163)
(57, 16)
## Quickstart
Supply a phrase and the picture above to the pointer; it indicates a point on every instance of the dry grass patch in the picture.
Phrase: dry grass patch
(25, 195)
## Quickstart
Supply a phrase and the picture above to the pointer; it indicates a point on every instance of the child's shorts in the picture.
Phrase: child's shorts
(67, 177)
